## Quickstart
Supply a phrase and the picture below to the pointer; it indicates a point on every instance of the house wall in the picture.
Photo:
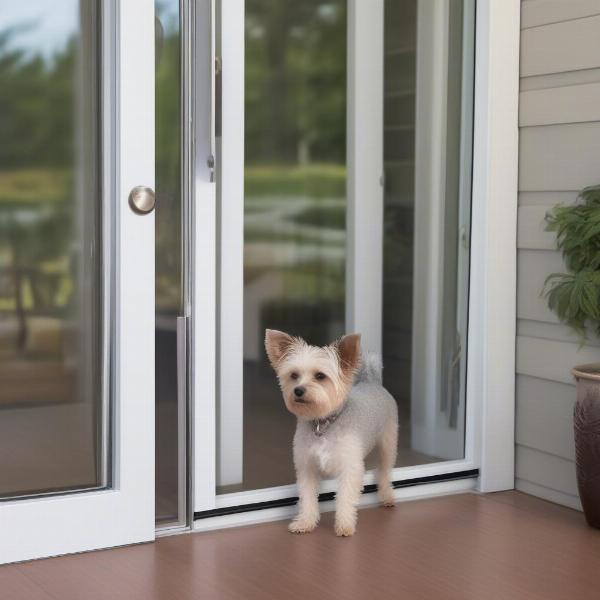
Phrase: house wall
(559, 154)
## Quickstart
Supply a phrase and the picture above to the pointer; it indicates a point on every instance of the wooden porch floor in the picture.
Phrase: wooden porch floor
(499, 546)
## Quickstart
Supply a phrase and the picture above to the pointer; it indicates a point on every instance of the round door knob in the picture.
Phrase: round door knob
(142, 199)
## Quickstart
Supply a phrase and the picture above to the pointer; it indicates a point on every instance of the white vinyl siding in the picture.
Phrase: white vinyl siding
(543, 12)
(559, 118)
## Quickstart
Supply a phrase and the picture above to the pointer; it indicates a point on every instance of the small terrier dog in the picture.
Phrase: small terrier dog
(343, 412)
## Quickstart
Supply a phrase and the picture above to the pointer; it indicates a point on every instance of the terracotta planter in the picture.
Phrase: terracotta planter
(586, 420)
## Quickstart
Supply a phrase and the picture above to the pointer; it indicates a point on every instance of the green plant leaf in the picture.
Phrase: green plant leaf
(575, 296)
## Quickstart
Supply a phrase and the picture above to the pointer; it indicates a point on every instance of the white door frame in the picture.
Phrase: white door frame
(364, 188)
(203, 267)
(493, 289)
(124, 514)
(230, 459)
(489, 438)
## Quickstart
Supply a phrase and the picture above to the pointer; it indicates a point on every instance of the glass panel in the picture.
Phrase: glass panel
(427, 105)
(51, 342)
(170, 461)
(295, 232)
(400, 80)
(295, 205)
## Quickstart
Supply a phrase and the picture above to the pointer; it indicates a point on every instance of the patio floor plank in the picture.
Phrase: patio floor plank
(496, 546)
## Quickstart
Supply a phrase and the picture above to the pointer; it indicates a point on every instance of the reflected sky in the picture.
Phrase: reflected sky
(47, 25)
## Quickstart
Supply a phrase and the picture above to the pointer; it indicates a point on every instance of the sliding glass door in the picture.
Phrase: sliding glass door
(76, 276)
(333, 234)
(342, 135)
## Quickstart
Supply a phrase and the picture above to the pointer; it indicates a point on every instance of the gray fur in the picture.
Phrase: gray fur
(370, 370)
(368, 410)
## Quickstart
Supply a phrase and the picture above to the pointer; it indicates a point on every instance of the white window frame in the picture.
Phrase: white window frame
(489, 440)
(124, 513)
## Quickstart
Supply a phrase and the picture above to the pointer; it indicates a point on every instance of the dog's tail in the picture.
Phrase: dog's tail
(370, 369)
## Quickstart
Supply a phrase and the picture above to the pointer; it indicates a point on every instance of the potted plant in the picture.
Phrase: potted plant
(575, 297)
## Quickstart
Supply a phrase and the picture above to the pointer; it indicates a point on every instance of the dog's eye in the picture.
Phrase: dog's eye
(320, 375)
(294, 375)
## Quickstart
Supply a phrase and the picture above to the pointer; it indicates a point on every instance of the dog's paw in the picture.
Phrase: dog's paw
(388, 500)
(301, 526)
(386, 495)
(345, 529)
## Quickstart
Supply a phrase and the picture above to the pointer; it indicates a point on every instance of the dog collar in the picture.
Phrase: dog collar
(320, 426)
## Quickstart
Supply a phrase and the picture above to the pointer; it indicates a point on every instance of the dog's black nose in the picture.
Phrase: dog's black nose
(299, 391)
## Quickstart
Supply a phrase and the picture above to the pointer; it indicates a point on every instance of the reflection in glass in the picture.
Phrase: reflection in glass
(295, 205)
(169, 461)
(426, 207)
(399, 93)
(50, 250)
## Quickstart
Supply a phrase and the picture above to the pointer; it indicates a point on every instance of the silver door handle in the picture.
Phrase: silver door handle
(142, 200)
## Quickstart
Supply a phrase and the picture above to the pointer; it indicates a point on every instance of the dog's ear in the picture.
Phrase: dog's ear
(277, 344)
(348, 349)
